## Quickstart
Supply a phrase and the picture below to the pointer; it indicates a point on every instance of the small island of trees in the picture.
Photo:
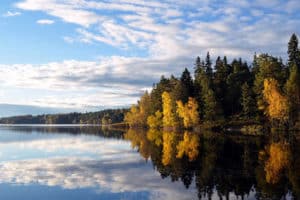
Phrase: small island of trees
(265, 92)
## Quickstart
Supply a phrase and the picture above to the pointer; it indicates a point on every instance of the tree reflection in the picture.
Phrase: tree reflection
(189, 146)
(223, 164)
(278, 160)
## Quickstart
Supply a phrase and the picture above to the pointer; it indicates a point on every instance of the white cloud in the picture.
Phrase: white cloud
(112, 81)
(45, 21)
(162, 28)
(170, 34)
(11, 14)
(68, 11)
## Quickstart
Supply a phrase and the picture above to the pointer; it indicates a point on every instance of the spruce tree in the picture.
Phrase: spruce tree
(187, 83)
(292, 88)
(247, 101)
(208, 67)
(293, 51)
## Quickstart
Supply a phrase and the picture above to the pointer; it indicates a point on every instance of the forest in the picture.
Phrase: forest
(104, 117)
(266, 92)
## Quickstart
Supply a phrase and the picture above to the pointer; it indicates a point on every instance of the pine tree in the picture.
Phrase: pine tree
(293, 51)
(219, 81)
(292, 88)
(240, 74)
(209, 108)
(187, 85)
(247, 101)
(158, 89)
(208, 67)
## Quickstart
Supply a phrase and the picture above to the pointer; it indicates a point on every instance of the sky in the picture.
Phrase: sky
(91, 54)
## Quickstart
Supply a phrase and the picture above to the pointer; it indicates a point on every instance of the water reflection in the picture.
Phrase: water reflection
(223, 166)
(98, 165)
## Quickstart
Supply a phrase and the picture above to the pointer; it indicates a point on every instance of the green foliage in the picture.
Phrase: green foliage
(292, 88)
(114, 116)
(234, 91)
(269, 67)
(293, 51)
(247, 101)
(187, 86)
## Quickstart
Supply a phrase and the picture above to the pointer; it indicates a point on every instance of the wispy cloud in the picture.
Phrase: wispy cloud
(45, 21)
(169, 29)
(11, 14)
(169, 33)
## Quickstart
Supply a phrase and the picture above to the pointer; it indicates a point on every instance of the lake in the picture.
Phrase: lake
(71, 162)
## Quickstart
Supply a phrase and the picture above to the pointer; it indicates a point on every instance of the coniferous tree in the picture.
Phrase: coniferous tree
(293, 51)
(292, 88)
(235, 80)
(158, 89)
(247, 101)
(228, 90)
(269, 67)
(219, 81)
(187, 85)
(208, 67)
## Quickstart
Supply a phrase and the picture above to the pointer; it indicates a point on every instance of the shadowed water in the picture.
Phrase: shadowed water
(39, 162)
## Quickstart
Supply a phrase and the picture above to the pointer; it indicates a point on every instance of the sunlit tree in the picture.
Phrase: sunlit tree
(268, 67)
(133, 116)
(277, 104)
(169, 111)
(293, 92)
(188, 112)
(155, 121)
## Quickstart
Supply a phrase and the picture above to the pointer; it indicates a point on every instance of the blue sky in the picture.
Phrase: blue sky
(82, 54)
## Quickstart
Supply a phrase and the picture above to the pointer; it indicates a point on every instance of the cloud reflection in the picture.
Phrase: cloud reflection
(116, 169)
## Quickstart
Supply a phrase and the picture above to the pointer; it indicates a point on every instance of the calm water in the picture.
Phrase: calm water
(90, 163)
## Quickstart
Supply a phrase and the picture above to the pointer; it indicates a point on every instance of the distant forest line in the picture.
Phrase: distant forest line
(265, 92)
(104, 117)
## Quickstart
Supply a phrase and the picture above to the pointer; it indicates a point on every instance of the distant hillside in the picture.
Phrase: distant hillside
(101, 117)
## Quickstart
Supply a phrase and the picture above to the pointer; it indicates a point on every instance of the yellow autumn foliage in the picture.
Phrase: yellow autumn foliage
(188, 146)
(169, 112)
(138, 114)
(277, 104)
(155, 121)
(188, 112)
(133, 116)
